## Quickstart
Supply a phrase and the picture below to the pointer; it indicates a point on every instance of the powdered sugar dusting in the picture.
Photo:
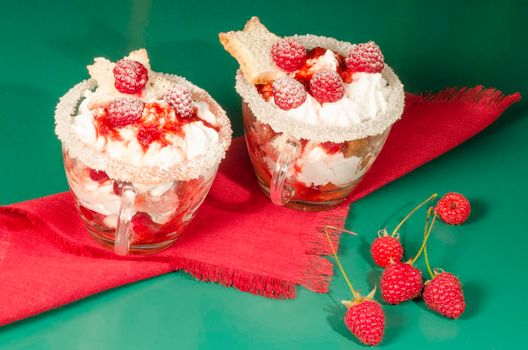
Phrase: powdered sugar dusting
(288, 54)
(365, 58)
(280, 121)
(130, 76)
(180, 98)
(288, 93)
(327, 86)
(137, 173)
(125, 111)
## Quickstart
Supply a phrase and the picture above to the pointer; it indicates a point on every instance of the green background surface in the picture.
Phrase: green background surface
(45, 48)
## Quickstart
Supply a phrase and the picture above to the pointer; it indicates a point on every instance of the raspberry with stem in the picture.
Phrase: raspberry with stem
(443, 292)
(402, 281)
(432, 197)
(387, 249)
(364, 317)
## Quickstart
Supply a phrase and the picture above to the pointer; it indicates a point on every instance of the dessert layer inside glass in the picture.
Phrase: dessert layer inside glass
(323, 172)
(316, 111)
(156, 135)
(161, 211)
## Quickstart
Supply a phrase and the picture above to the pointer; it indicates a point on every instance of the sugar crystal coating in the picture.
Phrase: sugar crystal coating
(124, 111)
(180, 98)
(327, 86)
(288, 93)
(130, 76)
(288, 54)
(365, 58)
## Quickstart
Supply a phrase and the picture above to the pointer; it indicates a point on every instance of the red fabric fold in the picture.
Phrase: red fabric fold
(238, 238)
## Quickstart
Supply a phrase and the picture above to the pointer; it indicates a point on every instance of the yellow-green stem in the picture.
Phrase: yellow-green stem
(433, 196)
(426, 237)
(426, 257)
(339, 263)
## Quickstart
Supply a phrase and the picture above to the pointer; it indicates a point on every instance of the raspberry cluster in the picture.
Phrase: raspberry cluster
(327, 85)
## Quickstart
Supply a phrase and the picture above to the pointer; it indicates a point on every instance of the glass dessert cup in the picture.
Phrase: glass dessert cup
(134, 218)
(136, 208)
(278, 161)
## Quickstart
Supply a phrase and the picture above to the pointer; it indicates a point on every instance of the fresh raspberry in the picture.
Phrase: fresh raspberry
(365, 58)
(332, 147)
(288, 54)
(93, 216)
(265, 90)
(98, 175)
(327, 86)
(124, 111)
(444, 295)
(148, 134)
(366, 321)
(453, 208)
(130, 76)
(400, 282)
(180, 98)
(288, 93)
(386, 250)
(117, 188)
(145, 229)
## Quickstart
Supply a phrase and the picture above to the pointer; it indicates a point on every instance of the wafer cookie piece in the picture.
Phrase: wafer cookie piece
(251, 47)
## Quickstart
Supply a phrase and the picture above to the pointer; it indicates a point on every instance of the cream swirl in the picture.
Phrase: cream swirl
(196, 140)
(365, 99)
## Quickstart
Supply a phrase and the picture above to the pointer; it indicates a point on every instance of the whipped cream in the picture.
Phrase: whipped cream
(101, 198)
(327, 61)
(365, 99)
(318, 168)
(197, 140)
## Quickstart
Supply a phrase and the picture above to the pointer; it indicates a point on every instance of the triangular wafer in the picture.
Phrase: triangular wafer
(252, 49)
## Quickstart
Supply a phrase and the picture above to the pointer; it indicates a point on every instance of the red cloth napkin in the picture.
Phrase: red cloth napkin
(238, 238)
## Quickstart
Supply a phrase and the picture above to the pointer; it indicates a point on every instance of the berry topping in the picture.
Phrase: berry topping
(444, 295)
(453, 208)
(124, 111)
(288, 93)
(288, 54)
(327, 86)
(386, 250)
(332, 147)
(265, 90)
(144, 227)
(400, 282)
(365, 58)
(366, 321)
(130, 76)
(180, 98)
(148, 134)
(98, 175)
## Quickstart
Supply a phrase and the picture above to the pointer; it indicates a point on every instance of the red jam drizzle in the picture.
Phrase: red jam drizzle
(156, 123)
(303, 74)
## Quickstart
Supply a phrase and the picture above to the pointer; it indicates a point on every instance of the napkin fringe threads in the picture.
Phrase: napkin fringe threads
(478, 95)
(317, 274)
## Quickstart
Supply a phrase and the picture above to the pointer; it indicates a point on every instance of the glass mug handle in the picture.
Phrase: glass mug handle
(280, 191)
(123, 234)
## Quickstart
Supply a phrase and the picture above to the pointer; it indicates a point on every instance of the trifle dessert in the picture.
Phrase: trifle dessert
(316, 112)
(141, 150)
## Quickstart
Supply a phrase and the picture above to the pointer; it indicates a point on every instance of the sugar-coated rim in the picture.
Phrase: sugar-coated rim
(123, 171)
(280, 121)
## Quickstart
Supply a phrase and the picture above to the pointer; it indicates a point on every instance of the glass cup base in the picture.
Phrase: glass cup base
(135, 249)
(304, 205)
